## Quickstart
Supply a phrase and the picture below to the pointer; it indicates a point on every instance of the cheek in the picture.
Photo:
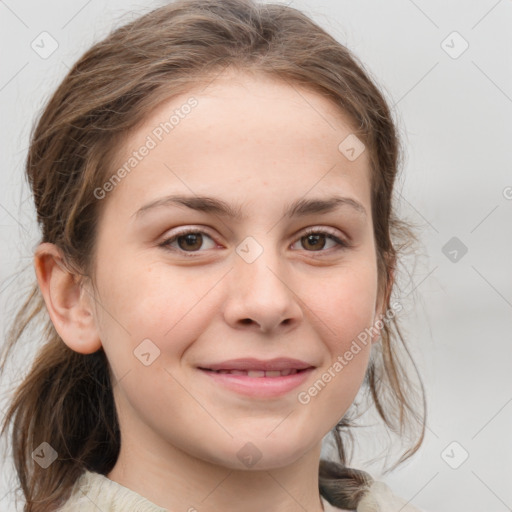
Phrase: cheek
(344, 304)
(341, 309)
(141, 301)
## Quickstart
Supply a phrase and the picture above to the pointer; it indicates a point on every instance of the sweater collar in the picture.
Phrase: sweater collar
(95, 489)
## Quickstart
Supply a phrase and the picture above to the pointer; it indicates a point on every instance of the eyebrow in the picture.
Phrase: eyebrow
(298, 208)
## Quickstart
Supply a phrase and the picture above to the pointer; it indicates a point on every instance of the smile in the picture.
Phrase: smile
(258, 383)
(259, 373)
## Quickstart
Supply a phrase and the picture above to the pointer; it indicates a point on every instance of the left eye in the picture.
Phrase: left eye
(317, 238)
(191, 241)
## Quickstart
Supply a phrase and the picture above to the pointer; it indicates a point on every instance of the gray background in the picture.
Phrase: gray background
(454, 113)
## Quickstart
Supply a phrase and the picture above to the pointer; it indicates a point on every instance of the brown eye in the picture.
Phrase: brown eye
(192, 241)
(188, 241)
(313, 242)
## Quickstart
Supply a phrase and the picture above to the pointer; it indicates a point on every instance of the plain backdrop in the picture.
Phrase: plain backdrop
(446, 69)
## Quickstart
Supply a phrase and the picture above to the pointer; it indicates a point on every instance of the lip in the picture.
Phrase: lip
(259, 387)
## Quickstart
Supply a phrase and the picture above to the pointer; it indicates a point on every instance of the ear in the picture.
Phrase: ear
(68, 303)
(381, 304)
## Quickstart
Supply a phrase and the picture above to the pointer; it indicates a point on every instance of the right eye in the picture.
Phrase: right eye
(189, 241)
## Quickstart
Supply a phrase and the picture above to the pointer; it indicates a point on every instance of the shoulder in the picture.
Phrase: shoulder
(93, 492)
(379, 498)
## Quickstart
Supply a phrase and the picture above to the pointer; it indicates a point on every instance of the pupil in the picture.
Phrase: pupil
(315, 242)
(193, 241)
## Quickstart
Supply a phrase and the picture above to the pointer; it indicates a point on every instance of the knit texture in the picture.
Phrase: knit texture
(94, 492)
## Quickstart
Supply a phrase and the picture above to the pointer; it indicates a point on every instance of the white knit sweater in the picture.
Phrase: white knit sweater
(93, 492)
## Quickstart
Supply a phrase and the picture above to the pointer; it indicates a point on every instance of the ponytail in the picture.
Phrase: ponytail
(343, 487)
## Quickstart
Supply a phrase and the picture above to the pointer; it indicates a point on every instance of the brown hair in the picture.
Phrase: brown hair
(66, 399)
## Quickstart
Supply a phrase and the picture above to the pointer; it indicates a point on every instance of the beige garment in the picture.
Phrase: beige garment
(94, 492)
(379, 498)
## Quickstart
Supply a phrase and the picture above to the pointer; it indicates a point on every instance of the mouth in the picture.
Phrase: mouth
(258, 384)
(258, 373)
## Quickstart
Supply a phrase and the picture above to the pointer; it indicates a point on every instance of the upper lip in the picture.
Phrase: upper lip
(280, 363)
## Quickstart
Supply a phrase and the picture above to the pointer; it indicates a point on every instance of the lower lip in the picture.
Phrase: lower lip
(264, 387)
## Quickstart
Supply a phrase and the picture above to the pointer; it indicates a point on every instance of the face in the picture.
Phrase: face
(273, 281)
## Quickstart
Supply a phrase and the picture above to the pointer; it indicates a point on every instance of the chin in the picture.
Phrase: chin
(266, 452)
(253, 449)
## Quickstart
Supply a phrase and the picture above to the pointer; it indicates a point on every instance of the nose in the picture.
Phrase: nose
(261, 295)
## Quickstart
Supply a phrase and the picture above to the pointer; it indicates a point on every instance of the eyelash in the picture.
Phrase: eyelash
(342, 244)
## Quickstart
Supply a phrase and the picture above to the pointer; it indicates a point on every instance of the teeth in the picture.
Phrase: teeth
(256, 373)
(260, 373)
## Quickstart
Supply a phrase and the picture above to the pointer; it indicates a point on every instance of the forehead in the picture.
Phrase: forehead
(244, 130)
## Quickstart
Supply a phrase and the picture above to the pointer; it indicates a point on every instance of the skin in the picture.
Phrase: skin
(260, 144)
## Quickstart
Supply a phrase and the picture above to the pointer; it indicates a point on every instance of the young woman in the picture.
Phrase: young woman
(214, 185)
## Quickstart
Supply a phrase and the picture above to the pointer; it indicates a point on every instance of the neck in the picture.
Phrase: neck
(178, 481)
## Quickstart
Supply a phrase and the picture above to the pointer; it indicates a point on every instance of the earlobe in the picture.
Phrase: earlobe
(67, 302)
